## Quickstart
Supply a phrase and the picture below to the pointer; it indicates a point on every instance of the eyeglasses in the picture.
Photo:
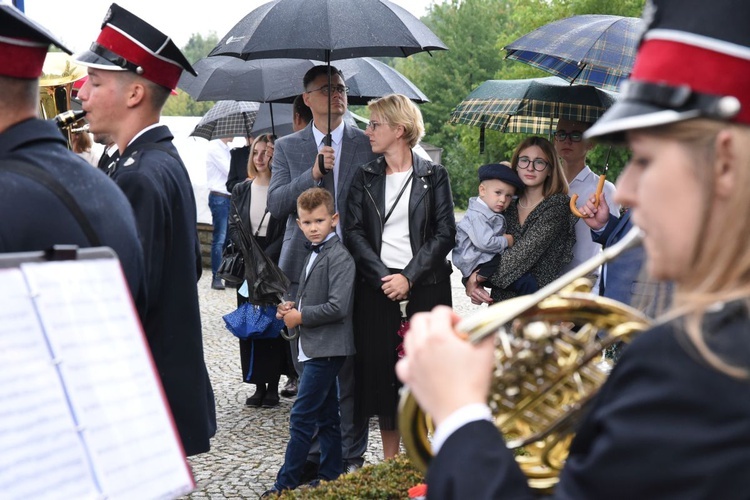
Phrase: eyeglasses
(373, 125)
(325, 89)
(537, 164)
(575, 136)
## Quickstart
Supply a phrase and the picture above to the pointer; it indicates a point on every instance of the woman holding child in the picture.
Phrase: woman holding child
(400, 231)
(539, 221)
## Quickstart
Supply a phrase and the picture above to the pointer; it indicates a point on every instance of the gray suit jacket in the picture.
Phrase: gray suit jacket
(326, 297)
(293, 158)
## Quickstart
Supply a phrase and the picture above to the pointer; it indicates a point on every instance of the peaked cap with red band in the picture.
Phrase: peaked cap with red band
(693, 62)
(128, 43)
(23, 44)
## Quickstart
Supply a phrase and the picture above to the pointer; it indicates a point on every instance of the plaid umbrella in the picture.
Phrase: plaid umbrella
(227, 119)
(530, 106)
(593, 50)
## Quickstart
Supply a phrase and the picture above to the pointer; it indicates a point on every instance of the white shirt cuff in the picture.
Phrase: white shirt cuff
(456, 420)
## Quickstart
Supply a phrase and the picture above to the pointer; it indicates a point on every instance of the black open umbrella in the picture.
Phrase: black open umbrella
(327, 30)
(280, 80)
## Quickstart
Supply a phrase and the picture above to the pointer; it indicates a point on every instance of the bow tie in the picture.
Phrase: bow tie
(314, 248)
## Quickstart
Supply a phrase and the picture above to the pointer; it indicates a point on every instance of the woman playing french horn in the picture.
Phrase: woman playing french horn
(673, 419)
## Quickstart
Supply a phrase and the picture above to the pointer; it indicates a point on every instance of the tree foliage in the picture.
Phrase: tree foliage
(475, 32)
(182, 104)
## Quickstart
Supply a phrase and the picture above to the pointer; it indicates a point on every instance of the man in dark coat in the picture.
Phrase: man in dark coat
(34, 218)
(132, 67)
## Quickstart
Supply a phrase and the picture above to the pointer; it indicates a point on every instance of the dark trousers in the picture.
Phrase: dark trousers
(316, 407)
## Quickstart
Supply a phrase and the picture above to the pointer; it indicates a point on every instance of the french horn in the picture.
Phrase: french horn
(548, 367)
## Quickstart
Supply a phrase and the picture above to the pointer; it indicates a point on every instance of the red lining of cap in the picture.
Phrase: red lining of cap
(703, 70)
(155, 69)
(21, 61)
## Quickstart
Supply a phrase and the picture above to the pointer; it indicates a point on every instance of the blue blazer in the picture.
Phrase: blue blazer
(621, 281)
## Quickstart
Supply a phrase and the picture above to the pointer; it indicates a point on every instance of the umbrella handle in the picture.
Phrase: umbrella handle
(597, 197)
(289, 336)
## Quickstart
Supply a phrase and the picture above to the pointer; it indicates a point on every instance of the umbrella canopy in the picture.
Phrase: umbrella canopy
(530, 106)
(593, 50)
(280, 80)
(327, 30)
(227, 119)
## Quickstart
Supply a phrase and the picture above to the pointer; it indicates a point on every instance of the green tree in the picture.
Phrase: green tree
(182, 104)
(476, 31)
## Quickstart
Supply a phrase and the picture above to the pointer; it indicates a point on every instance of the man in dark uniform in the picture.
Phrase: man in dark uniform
(34, 217)
(132, 68)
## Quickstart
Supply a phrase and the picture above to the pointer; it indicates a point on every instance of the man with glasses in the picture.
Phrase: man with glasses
(297, 167)
(572, 149)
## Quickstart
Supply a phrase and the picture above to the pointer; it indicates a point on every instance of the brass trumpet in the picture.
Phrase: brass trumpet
(548, 366)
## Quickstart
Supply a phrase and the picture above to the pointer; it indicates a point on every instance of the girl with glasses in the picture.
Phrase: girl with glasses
(539, 221)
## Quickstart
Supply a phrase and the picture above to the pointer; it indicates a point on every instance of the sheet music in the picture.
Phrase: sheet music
(41, 454)
(94, 423)
(86, 310)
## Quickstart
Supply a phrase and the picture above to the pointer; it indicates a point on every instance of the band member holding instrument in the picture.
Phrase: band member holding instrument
(49, 196)
(673, 419)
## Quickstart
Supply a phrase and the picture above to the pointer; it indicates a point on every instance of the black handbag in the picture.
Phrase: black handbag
(232, 267)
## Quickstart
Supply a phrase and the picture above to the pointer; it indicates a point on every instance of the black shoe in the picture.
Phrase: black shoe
(217, 283)
(272, 493)
(256, 399)
(270, 400)
(290, 388)
(309, 472)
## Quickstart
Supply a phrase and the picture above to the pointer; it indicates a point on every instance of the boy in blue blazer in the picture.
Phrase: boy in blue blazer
(323, 314)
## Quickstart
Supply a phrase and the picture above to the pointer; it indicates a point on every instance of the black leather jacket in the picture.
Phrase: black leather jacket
(432, 225)
(239, 213)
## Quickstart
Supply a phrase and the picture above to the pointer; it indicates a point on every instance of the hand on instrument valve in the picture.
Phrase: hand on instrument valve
(443, 371)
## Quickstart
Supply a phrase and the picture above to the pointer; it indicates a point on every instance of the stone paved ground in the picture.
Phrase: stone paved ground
(249, 446)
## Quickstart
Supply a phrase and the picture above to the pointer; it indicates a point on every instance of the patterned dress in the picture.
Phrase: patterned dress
(543, 245)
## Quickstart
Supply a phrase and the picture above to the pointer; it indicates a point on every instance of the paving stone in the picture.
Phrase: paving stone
(249, 445)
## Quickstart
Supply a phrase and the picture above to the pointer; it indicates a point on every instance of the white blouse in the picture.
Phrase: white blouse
(396, 249)
(258, 202)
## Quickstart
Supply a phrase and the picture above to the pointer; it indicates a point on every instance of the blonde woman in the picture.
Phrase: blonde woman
(673, 419)
(400, 231)
(248, 208)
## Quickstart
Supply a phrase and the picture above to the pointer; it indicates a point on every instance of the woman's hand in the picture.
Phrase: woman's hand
(283, 308)
(395, 286)
(476, 292)
(443, 371)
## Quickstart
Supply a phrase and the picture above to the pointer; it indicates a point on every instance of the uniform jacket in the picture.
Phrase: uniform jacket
(326, 297)
(543, 245)
(665, 425)
(35, 219)
(432, 224)
(159, 189)
(293, 158)
(479, 237)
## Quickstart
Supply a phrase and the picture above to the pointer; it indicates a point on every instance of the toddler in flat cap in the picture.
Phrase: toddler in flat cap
(480, 235)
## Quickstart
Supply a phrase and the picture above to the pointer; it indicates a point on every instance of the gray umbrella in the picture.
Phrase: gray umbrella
(280, 80)
(327, 30)
(227, 119)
